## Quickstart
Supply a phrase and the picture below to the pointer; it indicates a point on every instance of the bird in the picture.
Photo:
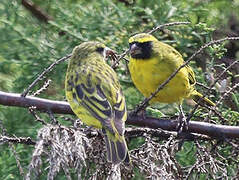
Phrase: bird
(95, 96)
(151, 64)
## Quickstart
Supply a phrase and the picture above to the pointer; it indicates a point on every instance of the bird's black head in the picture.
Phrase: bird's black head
(140, 50)
(141, 46)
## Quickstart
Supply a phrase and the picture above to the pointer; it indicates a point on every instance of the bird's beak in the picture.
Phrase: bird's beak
(110, 53)
(135, 50)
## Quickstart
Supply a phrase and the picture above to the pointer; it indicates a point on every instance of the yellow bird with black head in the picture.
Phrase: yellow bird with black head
(151, 64)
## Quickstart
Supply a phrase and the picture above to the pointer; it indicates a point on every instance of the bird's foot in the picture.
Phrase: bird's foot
(140, 113)
(140, 110)
(182, 121)
(182, 124)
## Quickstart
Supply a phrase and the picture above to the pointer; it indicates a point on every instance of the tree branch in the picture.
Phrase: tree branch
(20, 140)
(36, 11)
(169, 124)
(163, 134)
(12, 99)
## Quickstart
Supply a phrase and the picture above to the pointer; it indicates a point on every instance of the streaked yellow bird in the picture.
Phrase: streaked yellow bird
(95, 96)
(151, 64)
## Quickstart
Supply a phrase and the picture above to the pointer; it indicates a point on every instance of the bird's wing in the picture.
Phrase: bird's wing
(191, 76)
(94, 90)
(120, 112)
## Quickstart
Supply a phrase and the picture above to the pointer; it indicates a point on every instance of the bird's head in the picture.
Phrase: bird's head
(92, 49)
(141, 45)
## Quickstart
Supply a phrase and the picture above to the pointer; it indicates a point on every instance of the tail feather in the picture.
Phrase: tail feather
(117, 150)
(197, 97)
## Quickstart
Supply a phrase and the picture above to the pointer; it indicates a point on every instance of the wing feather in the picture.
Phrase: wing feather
(120, 113)
(191, 76)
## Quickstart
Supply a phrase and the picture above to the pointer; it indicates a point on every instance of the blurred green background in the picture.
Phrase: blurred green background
(28, 44)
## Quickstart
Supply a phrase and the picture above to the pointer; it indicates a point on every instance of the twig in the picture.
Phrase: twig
(168, 24)
(52, 117)
(119, 58)
(219, 76)
(43, 73)
(43, 88)
(17, 159)
(2, 129)
(125, 2)
(18, 140)
(213, 84)
(224, 71)
(217, 79)
(36, 11)
(213, 109)
(163, 134)
(190, 171)
(204, 86)
(32, 111)
(227, 93)
(236, 146)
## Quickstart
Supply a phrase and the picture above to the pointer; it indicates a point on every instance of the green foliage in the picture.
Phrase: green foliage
(186, 156)
(8, 169)
(29, 45)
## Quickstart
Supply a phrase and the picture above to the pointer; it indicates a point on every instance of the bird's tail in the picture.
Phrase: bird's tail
(117, 150)
(196, 96)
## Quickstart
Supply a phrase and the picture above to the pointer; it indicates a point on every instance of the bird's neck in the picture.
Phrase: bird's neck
(90, 59)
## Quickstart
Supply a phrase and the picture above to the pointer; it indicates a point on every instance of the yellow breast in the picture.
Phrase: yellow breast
(148, 74)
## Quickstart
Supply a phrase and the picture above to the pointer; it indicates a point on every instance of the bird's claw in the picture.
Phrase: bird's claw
(141, 113)
(182, 124)
(113, 56)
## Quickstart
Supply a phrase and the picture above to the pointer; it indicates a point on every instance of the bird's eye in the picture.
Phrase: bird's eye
(131, 44)
(100, 49)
